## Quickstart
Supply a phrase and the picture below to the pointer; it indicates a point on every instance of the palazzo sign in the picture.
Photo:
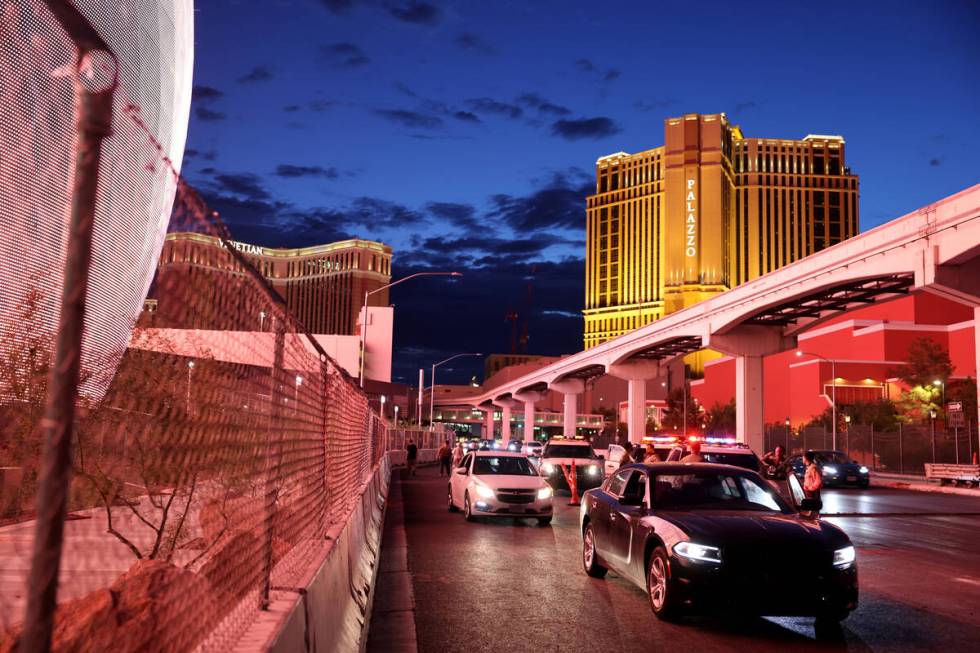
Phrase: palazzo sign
(691, 222)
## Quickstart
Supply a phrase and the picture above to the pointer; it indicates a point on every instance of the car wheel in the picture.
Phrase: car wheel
(452, 506)
(659, 586)
(590, 560)
(544, 521)
(467, 512)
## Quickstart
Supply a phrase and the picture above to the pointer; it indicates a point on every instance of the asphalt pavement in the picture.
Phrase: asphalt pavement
(510, 585)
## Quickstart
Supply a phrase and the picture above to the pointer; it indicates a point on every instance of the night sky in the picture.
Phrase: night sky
(465, 134)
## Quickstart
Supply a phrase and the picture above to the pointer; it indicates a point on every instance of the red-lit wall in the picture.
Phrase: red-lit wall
(868, 344)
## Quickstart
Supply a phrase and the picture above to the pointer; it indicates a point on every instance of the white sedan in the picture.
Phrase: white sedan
(499, 484)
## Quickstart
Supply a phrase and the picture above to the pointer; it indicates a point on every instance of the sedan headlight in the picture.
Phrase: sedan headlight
(545, 493)
(844, 558)
(593, 470)
(830, 470)
(548, 468)
(698, 552)
(863, 470)
(484, 492)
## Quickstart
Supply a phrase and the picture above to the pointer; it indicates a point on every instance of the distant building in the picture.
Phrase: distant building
(323, 286)
(496, 362)
(707, 211)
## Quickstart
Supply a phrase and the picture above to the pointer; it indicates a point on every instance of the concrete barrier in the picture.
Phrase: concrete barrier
(329, 609)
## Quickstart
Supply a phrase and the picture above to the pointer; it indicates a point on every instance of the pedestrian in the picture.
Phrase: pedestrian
(650, 455)
(458, 454)
(445, 456)
(412, 452)
(627, 456)
(775, 460)
(695, 455)
(812, 481)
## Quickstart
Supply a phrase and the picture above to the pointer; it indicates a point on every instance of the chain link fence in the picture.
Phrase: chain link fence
(903, 450)
(203, 468)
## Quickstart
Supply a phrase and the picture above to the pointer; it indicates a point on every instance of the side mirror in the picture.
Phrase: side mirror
(811, 505)
(461, 470)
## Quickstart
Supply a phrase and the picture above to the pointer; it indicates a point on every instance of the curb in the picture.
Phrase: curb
(392, 624)
(925, 487)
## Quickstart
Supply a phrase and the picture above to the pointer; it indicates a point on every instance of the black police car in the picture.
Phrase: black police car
(704, 537)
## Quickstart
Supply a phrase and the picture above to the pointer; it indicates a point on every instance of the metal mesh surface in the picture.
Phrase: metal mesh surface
(207, 466)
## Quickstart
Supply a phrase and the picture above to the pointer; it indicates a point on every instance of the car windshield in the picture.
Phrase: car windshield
(568, 451)
(507, 465)
(714, 491)
(745, 460)
(832, 458)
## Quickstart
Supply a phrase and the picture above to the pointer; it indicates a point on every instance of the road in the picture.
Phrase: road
(514, 586)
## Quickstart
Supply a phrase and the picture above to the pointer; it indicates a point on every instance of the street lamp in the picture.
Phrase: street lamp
(190, 368)
(299, 382)
(382, 406)
(833, 391)
(364, 325)
(432, 390)
(847, 430)
(932, 419)
(261, 320)
(396, 416)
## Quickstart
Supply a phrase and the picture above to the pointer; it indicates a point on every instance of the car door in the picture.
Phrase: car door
(614, 454)
(457, 482)
(628, 509)
(602, 504)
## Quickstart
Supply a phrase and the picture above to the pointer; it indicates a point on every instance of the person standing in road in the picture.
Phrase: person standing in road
(650, 455)
(412, 452)
(458, 454)
(812, 481)
(445, 455)
(695, 455)
(627, 456)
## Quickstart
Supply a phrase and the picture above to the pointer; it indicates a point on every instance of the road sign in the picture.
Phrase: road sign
(954, 415)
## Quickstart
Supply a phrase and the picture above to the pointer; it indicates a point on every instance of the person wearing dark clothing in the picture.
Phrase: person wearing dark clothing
(627, 454)
(445, 456)
(412, 454)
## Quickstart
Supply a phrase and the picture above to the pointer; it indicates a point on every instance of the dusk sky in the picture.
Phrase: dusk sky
(465, 134)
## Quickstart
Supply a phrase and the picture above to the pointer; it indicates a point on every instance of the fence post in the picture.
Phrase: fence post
(93, 124)
(275, 460)
(901, 452)
(873, 466)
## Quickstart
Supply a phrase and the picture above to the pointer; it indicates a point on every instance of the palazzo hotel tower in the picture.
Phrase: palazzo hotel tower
(707, 211)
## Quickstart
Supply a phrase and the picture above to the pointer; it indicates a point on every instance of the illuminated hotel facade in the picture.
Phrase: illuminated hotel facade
(323, 286)
(707, 211)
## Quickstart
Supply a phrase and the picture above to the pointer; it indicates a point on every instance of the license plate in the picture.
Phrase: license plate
(852, 478)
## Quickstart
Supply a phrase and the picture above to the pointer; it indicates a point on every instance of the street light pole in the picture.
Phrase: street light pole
(190, 368)
(833, 392)
(364, 324)
(432, 388)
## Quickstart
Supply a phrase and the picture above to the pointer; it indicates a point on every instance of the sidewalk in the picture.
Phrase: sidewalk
(919, 484)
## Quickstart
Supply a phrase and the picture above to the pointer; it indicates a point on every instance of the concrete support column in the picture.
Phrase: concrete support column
(569, 414)
(528, 421)
(530, 398)
(749, 415)
(571, 388)
(505, 423)
(976, 353)
(488, 423)
(636, 420)
(636, 373)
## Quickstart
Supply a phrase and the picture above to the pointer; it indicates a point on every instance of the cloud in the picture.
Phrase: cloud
(572, 130)
(644, 105)
(408, 118)
(242, 184)
(560, 203)
(457, 215)
(419, 13)
(201, 93)
(605, 74)
(346, 55)
(319, 106)
(208, 115)
(935, 162)
(467, 116)
(745, 105)
(339, 7)
(257, 74)
(535, 101)
(489, 105)
(290, 171)
(472, 42)
(206, 155)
